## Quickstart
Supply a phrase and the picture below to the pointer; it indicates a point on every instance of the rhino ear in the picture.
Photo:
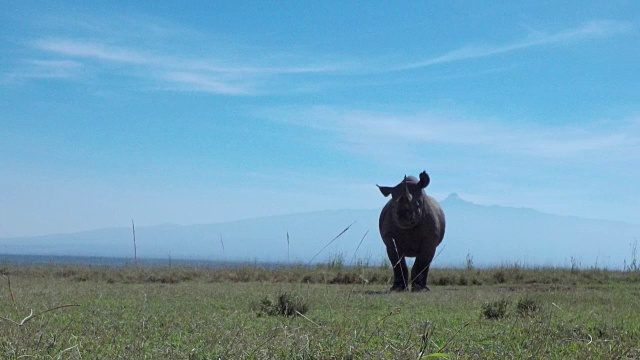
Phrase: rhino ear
(385, 190)
(424, 179)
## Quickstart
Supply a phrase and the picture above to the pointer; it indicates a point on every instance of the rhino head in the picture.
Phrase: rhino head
(407, 200)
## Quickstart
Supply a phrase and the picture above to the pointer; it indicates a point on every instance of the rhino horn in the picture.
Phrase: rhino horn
(424, 179)
(407, 194)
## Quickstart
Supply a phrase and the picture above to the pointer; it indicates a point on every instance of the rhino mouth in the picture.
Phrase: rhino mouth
(406, 219)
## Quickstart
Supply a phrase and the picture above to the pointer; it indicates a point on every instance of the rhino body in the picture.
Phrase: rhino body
(412, 224)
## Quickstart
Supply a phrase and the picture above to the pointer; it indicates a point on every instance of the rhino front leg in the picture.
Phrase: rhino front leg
(420, 271)
(400, 271)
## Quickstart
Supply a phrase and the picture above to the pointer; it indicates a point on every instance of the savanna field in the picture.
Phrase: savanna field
(323, 312)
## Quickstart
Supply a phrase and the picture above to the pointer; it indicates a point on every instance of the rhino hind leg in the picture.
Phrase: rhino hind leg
(398, 288)
(420, 271)
(415, 288)
(419, 278)
(400, 271)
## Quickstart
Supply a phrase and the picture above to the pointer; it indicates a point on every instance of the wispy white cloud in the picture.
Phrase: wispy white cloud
(262, 70)
(206, 83)
(206, 74)
(377, 132)
(235, 69)
(45, 69)
(92, 50)
(591, 30)
(95, 50)
(55, 68)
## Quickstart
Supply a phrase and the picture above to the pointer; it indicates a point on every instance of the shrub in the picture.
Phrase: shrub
(345, 278)
(469, 262)
(462, 280)
(285, 304)
(495, 310)
(444, 280)
(499, 277)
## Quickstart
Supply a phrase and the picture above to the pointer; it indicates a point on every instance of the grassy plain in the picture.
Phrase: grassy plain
(209, 313)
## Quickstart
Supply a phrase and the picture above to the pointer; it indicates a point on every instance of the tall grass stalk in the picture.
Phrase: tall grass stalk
(135, 248)
(331, 242)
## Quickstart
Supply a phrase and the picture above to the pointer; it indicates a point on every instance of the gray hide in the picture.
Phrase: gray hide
(411, 225)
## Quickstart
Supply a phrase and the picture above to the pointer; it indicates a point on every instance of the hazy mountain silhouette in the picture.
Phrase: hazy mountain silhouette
(492, 235)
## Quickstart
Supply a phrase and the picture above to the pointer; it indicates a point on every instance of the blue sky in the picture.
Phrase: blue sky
(199, 112)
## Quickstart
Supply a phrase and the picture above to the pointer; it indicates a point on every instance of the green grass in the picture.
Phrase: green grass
(199, 313)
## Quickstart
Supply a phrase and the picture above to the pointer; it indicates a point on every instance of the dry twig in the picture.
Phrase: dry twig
(32, 315)
(13, 299)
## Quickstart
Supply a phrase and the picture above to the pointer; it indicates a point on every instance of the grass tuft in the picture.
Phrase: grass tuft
(527, 306)
(285, 304)
(495, 310)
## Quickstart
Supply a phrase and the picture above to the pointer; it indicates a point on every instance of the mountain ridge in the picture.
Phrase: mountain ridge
(490, 234)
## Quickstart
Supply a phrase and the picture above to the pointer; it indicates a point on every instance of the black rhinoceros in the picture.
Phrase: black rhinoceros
(411, 225)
